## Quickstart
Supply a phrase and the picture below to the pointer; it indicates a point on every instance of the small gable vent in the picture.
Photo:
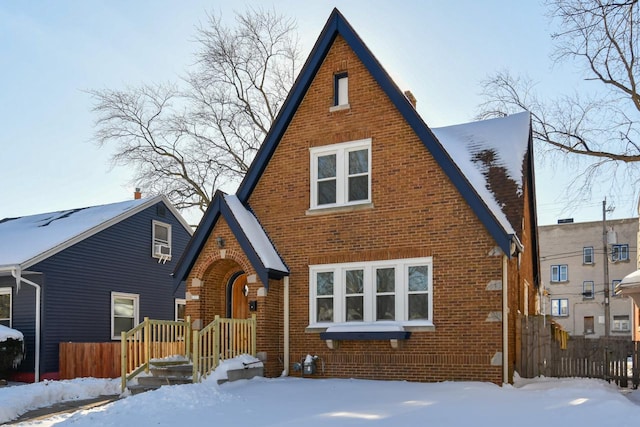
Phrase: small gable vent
(161, 210)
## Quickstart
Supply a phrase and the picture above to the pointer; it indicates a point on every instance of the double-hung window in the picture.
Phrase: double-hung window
(620, 252)
(341, 174)
(398, 290)
(124, 313)
(559, 273)
(161, 240)
(588, 289)
(587, 255)
(5, 307)
(621, 324)
(560, 307)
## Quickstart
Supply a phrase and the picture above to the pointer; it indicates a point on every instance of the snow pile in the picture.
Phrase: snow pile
(6, 333)
(18, 399)
(244, 361)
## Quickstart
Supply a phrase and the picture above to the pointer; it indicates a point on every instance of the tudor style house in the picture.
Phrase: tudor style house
(85, 275)
(360, 236)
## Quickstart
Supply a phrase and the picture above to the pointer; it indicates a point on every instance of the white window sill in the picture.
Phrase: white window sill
(394, 332)
(338, 209)
(411, 325)
(339, 108)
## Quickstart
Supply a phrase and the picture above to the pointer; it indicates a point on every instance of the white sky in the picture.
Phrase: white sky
(51, 52)
(324, 403)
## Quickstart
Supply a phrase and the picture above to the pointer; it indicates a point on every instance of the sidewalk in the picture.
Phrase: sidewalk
(63, 408)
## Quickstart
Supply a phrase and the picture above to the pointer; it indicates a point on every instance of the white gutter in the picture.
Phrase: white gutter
(505, 321)
(285, 372)
(16, 273)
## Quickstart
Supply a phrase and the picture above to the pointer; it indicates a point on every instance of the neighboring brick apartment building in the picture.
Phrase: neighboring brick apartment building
(572, 260)
(387, 249)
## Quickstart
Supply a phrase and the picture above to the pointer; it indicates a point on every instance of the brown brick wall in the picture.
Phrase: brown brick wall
(416, 212)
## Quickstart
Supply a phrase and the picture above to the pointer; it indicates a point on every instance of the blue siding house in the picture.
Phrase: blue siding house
(85, 275)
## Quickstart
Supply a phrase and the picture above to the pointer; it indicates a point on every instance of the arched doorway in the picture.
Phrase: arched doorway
(237, 300)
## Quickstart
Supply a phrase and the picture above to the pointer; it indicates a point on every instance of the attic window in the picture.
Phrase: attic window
(340, 91)
(161, 241)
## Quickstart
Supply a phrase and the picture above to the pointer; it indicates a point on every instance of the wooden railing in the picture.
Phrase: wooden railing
(220, 340)
(153, 339)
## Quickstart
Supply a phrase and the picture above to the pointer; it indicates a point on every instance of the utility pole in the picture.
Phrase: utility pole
(607, 309)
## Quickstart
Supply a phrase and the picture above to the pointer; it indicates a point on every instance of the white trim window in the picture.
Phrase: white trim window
(560, 307)
(398, 290)
(161, 237)
(587, 255)
(588, 289)
(341, 89)
(620, 252)
(341, 174)
(124, 313)
(559, 273)
(621, 324)
(6, 308)
(180, 309)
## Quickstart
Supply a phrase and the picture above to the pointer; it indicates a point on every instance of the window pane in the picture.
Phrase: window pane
(358, 188)
(354, 281)
(418, 306)
(181, 311)
(161, 233)
(354, 309)
(121, 324)
(325, 310)
(419, 278)
(327, 166)
(385, 280)
(324, 283)
(343, 91)
(358, 162)
(385, 307)
(123, 307)
(327, 192)
(5, 307)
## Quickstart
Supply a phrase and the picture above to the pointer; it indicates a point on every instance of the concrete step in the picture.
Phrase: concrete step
(242, 374)
(182, 370)
(160, 381)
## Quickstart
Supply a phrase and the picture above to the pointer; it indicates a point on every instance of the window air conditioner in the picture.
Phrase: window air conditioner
(162, 250)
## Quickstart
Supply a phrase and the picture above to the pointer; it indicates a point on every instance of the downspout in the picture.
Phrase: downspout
(505, 320)
(285, 371)
(17, 275)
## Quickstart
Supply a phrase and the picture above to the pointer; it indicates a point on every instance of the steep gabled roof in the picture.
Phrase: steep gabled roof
(486, 207)
(250, 235)
(28, 240)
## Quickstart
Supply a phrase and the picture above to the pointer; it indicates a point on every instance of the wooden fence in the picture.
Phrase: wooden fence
(94, 359)
(547, 350)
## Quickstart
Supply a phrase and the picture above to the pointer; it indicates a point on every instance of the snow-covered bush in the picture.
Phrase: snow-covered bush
(11, 350)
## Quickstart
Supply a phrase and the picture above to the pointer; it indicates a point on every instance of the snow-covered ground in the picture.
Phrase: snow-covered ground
(314, 402)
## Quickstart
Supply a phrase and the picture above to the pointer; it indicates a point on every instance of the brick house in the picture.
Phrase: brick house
(385, 248)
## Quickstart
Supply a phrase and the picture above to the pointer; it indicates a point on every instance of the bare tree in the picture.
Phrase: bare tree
(187, 142)
(603, 126)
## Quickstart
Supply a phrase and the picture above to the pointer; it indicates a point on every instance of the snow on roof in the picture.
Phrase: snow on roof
(505, 140)
(6, 333)
(24, 238)
(256, 235)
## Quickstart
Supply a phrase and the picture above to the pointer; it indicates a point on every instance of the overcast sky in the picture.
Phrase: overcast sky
(51, 52)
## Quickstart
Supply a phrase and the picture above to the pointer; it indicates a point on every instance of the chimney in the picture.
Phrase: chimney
(410, 97)
(137, 194)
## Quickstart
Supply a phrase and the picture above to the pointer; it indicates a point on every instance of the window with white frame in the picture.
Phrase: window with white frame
(181, 307)
(341, 174)
(559, 273)
(587, 255)
(614, 283)
(161, 240)
(124, 313)
(560, 307)
(588, 289)
(621, 324)
(398, 290)
(341, 89)
(620, 252)
(5, 306)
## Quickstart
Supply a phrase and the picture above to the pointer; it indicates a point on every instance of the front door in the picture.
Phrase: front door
(239, 300)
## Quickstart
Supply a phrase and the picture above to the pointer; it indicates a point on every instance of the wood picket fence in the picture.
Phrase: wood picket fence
(547, 350)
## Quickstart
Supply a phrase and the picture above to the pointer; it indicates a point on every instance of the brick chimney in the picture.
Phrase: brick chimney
(137, 194)
(410, 97)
